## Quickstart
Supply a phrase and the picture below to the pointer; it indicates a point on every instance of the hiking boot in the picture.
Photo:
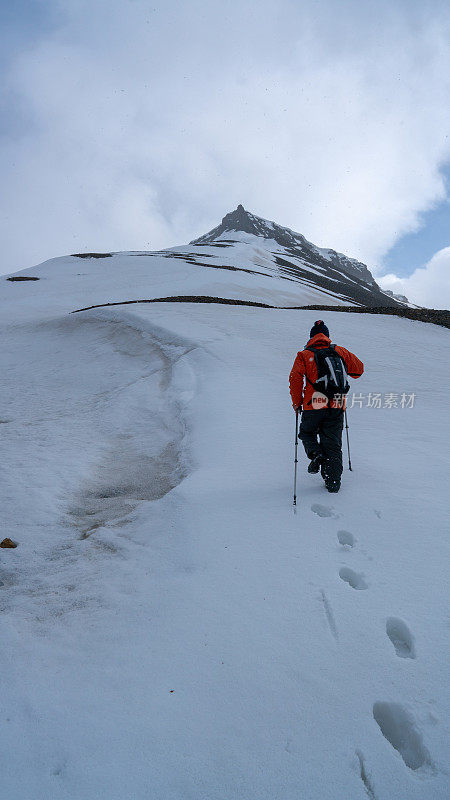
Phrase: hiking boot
(332, 485)
(314, 464)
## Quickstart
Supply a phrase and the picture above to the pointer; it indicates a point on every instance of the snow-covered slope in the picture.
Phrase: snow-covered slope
(170, 629)
(245, 258)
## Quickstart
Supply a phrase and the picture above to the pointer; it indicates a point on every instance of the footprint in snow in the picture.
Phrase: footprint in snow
(401, 637)
(354, 579)
(398, 726)
(346, 539)
(323, 511)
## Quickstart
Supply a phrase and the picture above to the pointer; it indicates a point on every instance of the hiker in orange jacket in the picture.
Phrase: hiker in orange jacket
(322, 418)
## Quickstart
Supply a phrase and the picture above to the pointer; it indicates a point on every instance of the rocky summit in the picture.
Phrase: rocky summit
(329, 271)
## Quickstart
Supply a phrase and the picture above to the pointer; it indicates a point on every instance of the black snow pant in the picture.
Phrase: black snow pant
(321, 432)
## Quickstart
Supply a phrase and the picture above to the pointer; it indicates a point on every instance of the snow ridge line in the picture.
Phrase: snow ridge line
(435, 316)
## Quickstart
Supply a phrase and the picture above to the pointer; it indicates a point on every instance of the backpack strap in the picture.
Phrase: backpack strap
(313, 349)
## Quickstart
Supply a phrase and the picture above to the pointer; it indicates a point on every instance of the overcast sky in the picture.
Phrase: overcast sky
(129, 124)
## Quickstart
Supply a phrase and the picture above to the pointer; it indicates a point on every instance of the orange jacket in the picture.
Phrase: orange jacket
(305, 366)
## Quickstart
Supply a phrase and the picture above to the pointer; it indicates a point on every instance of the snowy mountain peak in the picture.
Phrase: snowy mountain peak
(242, 221)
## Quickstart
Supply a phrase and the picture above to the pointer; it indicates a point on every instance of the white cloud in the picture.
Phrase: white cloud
(149, 121)
(428, 286)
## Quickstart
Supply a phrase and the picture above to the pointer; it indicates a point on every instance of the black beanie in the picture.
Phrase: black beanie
(319, 327)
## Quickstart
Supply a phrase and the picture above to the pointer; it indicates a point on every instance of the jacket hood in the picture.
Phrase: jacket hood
(319, 340)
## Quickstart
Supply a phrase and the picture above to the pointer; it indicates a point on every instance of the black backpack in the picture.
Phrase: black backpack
(331, 372)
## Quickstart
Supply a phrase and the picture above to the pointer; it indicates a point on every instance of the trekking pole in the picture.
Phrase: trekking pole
(295, 459)
(348, 443)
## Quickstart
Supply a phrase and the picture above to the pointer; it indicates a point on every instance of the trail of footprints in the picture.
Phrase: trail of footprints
(395, 722)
